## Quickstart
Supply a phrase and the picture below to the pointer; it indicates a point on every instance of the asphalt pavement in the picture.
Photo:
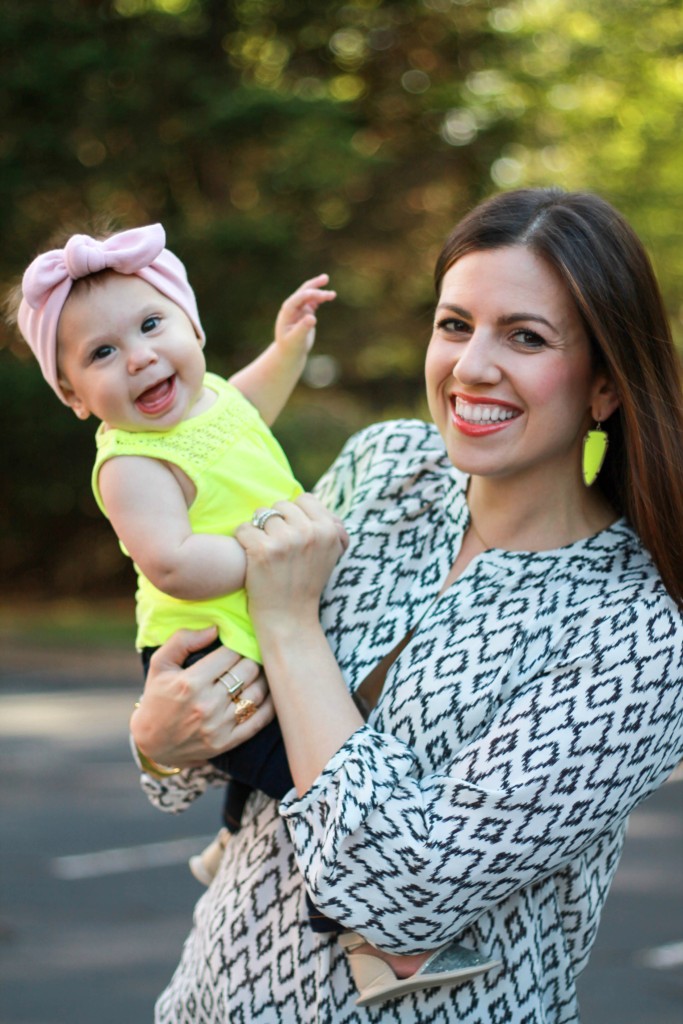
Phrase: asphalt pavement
(96, 897)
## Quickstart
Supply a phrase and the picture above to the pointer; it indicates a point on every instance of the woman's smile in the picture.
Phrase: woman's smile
(474, 416)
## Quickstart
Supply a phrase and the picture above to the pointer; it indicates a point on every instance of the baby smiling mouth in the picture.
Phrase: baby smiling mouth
(156, 394)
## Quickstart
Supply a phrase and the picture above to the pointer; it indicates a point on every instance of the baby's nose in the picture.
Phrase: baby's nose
(140, 357)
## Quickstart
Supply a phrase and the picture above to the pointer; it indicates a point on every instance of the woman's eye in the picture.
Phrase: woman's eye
(452, 325)
(529, 339)
(150, 323)
(101, 352)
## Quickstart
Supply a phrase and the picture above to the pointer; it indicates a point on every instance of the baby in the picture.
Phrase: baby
(184, 457)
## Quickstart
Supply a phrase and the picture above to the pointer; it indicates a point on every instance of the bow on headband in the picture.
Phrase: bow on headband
(49, 279)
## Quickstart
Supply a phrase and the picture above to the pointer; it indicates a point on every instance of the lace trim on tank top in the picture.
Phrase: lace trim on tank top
(197, 441)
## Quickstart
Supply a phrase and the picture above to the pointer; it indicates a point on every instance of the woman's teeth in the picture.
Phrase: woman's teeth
(482, 413)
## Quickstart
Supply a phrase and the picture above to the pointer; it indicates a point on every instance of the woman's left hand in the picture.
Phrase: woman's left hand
(185, 715)
(289, 560)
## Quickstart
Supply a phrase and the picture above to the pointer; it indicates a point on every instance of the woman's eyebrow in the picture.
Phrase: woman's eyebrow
(514, 318)
(464, 313)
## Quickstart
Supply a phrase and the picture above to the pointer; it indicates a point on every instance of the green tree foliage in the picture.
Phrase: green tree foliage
(278, 138)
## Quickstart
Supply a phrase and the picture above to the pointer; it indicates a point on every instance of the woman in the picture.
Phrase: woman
(518, 635)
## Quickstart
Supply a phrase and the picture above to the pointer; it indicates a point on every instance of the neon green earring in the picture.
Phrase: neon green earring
(594, 450)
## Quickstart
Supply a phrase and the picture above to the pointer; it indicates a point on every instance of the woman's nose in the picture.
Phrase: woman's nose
(476, 362)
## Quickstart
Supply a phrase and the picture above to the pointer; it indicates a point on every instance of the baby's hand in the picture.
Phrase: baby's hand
(295, 324)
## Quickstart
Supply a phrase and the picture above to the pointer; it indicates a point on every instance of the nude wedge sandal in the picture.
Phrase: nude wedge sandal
(377, 983)
(204, 865)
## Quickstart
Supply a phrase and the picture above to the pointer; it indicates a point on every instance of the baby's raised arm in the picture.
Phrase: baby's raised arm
(148, 510)
(270, 379)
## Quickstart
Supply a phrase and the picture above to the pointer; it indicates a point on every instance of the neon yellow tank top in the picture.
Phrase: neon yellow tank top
(237, 466)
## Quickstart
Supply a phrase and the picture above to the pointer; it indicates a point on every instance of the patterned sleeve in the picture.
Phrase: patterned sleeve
(411, 861)
(175, 793)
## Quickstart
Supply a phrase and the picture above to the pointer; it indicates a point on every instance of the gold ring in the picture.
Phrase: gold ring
(235, 688)
(244, 709)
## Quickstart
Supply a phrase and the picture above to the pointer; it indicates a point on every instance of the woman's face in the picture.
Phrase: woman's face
(510, 382)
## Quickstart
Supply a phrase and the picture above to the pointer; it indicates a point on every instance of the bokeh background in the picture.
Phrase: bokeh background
(274, 139)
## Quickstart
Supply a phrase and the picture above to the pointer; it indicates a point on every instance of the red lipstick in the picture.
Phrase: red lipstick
(482, 427)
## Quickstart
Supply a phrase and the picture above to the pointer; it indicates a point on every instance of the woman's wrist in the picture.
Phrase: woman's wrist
(144, 761)
(283, 628)
(159, 771)
(316, 713)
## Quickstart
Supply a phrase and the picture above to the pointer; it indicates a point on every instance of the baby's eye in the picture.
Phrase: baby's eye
(150, 323)
(101, 352)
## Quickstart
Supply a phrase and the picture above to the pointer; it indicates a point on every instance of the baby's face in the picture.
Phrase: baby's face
(128, 355)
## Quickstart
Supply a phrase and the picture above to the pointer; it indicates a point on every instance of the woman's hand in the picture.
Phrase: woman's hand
(289, 561)
(186, 715)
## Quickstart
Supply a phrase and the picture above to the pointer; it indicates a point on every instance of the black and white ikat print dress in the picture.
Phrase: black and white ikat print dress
(540, 699)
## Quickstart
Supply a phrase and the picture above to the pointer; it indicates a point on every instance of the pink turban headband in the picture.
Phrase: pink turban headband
(49, 279)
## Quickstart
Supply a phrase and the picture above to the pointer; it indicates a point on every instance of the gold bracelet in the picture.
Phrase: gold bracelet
(152, 768)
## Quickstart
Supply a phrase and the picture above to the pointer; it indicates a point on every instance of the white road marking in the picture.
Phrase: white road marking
(127, 858)
(74, 718)
(662, 957)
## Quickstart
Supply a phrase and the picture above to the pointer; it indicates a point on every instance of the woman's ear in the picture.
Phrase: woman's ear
(605, 399)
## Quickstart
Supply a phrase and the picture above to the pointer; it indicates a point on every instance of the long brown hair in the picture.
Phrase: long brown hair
(607, 272)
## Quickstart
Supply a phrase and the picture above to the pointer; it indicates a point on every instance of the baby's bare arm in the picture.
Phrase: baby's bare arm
(147, 509)
(269, 380)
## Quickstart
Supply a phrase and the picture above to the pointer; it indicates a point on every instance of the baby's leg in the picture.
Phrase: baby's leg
(260, 762)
